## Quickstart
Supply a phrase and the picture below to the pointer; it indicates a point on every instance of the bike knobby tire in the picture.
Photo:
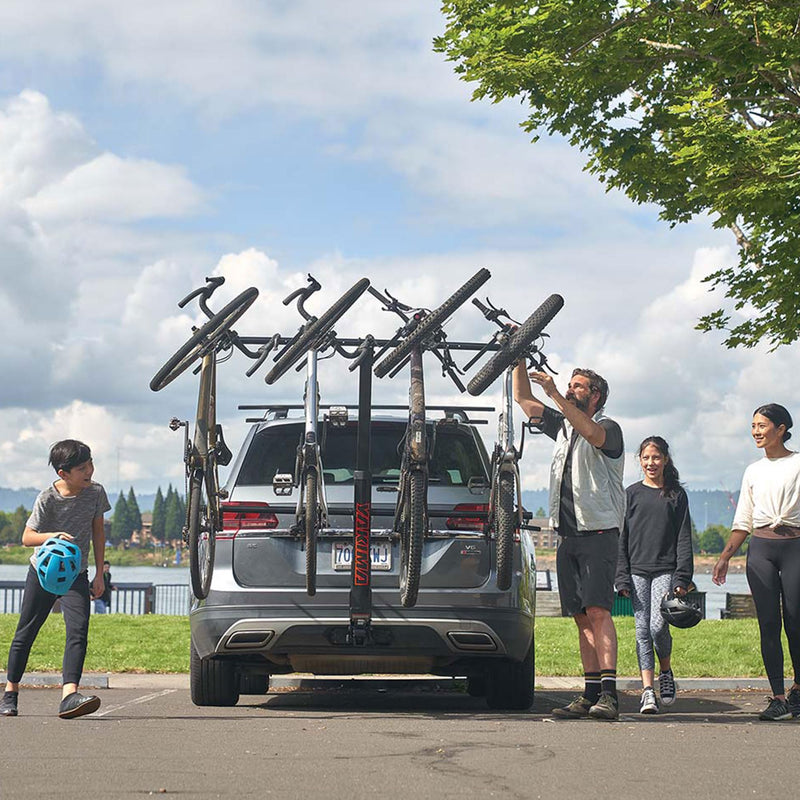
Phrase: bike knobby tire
(517, 345)
(202, 537)
(412, 539)
(431, 322)
(504, 525)
(311, 532)
(316, 330)
(203, 338)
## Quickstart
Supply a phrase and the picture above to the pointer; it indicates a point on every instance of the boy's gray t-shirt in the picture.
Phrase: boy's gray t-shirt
(55, 513)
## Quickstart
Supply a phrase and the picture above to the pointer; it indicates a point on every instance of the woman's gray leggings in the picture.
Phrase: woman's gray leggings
(652, 630)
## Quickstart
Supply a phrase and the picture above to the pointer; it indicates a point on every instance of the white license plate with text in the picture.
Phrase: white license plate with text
(380, 553)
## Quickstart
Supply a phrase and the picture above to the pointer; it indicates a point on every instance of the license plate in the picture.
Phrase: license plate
(380, 552)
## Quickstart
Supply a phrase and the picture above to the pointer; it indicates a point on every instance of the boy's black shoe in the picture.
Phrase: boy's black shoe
(77, 704)
(8, 705)
(793, 701)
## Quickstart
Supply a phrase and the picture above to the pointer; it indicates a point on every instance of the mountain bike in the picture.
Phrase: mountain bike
(315, 335)
(516, 341)
(421, 332)
(207, 449)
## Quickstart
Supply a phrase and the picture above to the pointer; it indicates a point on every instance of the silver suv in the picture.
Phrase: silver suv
(259, 621)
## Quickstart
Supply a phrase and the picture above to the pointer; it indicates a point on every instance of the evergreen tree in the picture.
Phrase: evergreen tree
(173, 515)
(158, 526)
(134, 514)
(120, 522)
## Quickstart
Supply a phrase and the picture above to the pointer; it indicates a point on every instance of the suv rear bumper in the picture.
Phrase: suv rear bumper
(314, 638)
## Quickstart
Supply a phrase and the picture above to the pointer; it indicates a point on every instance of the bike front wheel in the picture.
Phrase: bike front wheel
(308, 338)
(203, 339)
(517, 345)
(202, 536)
(504, 526)
(412, 539)
(311, 531)
(432, 321)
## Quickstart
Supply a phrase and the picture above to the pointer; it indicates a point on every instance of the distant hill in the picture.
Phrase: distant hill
(707, 507)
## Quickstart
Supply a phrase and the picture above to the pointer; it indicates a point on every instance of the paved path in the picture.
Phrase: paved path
(388, 740)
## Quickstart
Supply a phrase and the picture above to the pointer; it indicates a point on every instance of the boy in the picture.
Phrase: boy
(72, 508)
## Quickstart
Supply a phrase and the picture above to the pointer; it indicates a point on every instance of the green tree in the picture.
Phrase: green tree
(173, 515)
(540, 512)
(713, 539)
(693, 106)
(134, 514)
(121, 527)
(157, 526)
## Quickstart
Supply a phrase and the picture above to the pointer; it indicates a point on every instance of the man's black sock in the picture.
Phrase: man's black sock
(591, 689)
(608, 681)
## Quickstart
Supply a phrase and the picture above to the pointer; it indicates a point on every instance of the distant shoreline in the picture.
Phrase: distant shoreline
(703, 565)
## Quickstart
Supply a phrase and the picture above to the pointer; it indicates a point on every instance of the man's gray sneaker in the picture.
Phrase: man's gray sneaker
(776, 710)
(607, 707)
(649, 704)
(667, 687)
(793, 701)
(578, 708)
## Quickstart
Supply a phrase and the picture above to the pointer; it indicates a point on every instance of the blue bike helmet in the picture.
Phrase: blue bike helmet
(57, 564)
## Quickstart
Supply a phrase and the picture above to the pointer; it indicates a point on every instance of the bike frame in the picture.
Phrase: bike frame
(505, 457)
(309, 455)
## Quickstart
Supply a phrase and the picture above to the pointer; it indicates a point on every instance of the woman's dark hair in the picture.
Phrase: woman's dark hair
(777, 415)
(672, 480)
(69, 454)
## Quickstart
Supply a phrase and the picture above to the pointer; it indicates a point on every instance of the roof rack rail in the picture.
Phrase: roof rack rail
(280, 411)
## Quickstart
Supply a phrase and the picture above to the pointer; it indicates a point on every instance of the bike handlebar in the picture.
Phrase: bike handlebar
(204, 293)
(302, 295)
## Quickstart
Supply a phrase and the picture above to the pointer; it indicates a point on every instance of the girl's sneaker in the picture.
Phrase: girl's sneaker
(8, 705)
(776, 710)
(667, 687)
(649, 704)
(793, 701)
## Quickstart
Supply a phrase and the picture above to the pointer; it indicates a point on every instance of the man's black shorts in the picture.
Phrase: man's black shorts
(586, 566)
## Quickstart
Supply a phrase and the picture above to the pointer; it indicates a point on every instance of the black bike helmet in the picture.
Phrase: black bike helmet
(680, 612)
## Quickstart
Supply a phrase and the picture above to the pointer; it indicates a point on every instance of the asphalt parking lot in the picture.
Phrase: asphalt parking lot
(387, 741)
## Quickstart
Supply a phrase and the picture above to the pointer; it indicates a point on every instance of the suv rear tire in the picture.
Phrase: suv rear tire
(250, 683)
(510, 684)
(213, 682)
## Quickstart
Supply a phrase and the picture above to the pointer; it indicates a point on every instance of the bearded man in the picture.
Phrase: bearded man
(587, 509)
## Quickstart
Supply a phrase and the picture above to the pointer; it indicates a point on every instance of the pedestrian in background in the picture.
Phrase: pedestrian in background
(655, 558)
(769, 512)
(102, 604)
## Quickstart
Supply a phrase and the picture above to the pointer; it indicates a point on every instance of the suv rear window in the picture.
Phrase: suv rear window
(455, 459)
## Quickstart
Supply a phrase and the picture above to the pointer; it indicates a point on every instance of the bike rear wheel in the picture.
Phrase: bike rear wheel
(517, 345)
(316, 330)
(311, 532)
(412, 539)
(432, 321)
(203, 338)
(202, 536)
(504, 525)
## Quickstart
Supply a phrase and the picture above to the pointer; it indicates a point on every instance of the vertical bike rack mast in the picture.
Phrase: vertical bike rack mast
(359, 631)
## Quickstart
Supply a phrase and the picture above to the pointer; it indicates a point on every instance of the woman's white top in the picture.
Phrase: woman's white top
(770, 494)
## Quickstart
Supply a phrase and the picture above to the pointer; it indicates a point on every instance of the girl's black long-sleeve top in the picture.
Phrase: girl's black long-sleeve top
(656, 536)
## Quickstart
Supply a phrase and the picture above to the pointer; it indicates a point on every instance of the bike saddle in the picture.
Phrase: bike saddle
(224, 455)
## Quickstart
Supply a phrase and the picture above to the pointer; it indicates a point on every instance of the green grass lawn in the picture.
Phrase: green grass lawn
(152, 643)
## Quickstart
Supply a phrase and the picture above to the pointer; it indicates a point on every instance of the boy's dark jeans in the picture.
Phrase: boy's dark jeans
(36, 605)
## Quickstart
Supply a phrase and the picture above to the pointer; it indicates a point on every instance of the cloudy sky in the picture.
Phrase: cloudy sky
(144, 146)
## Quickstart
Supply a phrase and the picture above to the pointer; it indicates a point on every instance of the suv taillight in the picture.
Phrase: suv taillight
(243, 516)
(462, 521)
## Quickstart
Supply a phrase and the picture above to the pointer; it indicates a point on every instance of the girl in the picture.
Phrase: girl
(655, 557)
(769, 510)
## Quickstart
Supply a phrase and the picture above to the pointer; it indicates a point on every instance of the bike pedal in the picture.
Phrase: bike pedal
(337, 415)
(283, 484)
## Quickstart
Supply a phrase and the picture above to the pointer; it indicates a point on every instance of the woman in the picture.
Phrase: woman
(769, 510)
(655, 557)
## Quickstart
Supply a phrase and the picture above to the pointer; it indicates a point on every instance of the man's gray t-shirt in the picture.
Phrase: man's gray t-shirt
(54, 513)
